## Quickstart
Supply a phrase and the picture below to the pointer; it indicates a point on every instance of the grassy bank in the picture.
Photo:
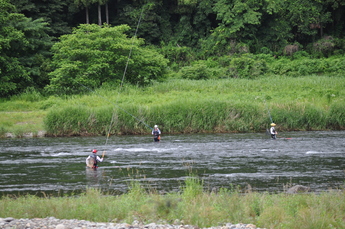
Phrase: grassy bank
(192, 205)
(185, 106)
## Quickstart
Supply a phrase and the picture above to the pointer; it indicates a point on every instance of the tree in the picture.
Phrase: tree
(24, 46)
(86, 4)
(93, 55)
(55, 12)
(100, 3)
(34, 51)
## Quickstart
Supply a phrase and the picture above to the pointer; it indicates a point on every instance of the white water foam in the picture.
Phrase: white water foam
(60, 154)
(313, 152)
(133, 149)
(269, 150)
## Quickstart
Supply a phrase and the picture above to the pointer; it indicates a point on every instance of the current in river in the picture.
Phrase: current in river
(246, 160)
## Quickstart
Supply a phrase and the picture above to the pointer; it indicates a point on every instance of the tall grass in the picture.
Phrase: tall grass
(193, 205)
(189, 106)
(189, 116)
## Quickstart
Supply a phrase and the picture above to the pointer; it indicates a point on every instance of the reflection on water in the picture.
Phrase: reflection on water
(315, 159)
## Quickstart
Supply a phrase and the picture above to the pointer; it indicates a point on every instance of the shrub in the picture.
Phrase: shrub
(201, 70)
(246, 66)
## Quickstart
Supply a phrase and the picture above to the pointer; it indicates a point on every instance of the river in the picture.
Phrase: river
(56, 166)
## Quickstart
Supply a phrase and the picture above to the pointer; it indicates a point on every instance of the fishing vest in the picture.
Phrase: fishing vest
(94, 156)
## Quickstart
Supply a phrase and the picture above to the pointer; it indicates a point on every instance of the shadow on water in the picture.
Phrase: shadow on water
(57, 165)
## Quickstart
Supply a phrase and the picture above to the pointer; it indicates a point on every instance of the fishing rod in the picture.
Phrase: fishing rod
(268, 132)
(123, 79)
(117, 106)
(121, 85)
(268, 111)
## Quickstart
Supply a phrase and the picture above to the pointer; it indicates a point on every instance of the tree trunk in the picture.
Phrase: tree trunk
(87, 15)
(99, 15)
(106, 13)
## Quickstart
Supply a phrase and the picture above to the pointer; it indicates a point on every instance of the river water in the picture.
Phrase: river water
(57, 165)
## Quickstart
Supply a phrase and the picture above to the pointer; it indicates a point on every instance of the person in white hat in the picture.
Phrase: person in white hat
(156, 134)
(273, 131)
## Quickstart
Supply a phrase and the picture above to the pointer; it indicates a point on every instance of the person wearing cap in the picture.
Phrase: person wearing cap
(156, 134)
(273, 131)
(93, 159)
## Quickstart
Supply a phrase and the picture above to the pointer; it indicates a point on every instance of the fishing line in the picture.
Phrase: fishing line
(121, 85)
(116, 106)
(269, 114)
(123, 77)
(268, 111)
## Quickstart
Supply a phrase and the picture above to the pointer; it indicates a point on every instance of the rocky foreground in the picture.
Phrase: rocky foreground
(53, 223)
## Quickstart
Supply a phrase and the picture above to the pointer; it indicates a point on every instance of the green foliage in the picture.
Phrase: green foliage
(202, 70)
(13, 76)
(322, 48)
(180, 56)
(246, 66)
(24, 46)
(93, 55)
(29, 95)
(237, 17)
(211, 28)
(307, 66)
(193, 188)
(56, 13)
(186, 106)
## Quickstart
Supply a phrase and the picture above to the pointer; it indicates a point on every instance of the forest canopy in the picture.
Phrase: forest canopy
(45, 45)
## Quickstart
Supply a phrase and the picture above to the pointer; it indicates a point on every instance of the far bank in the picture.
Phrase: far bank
(183, 106)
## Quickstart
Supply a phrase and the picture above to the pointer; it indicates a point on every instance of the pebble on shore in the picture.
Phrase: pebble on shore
(53, 223)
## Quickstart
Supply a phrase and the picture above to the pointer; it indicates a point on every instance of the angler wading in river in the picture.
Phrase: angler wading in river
(156, 134)
(273, 131)
(93, 159)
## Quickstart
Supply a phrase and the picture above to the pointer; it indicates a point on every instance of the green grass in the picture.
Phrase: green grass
(188, 106)
(193, 205)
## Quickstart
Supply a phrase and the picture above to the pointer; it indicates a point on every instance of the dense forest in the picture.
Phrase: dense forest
(71, 46)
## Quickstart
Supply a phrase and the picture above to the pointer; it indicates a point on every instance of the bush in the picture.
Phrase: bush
(179, 56)
(247, 66)
(93, 55)
(201, 70)
(306, 66)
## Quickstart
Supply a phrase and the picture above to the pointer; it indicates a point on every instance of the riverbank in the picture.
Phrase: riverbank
(182, 106)
(190, 208)
(53, 223)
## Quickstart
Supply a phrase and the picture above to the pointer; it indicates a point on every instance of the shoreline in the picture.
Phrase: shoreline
(52, 222)
(43, 134)
(39, 134)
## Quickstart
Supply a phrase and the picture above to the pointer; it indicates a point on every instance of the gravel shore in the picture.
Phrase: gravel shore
(53, 223)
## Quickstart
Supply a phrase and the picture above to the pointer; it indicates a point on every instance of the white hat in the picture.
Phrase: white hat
(156, 126)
